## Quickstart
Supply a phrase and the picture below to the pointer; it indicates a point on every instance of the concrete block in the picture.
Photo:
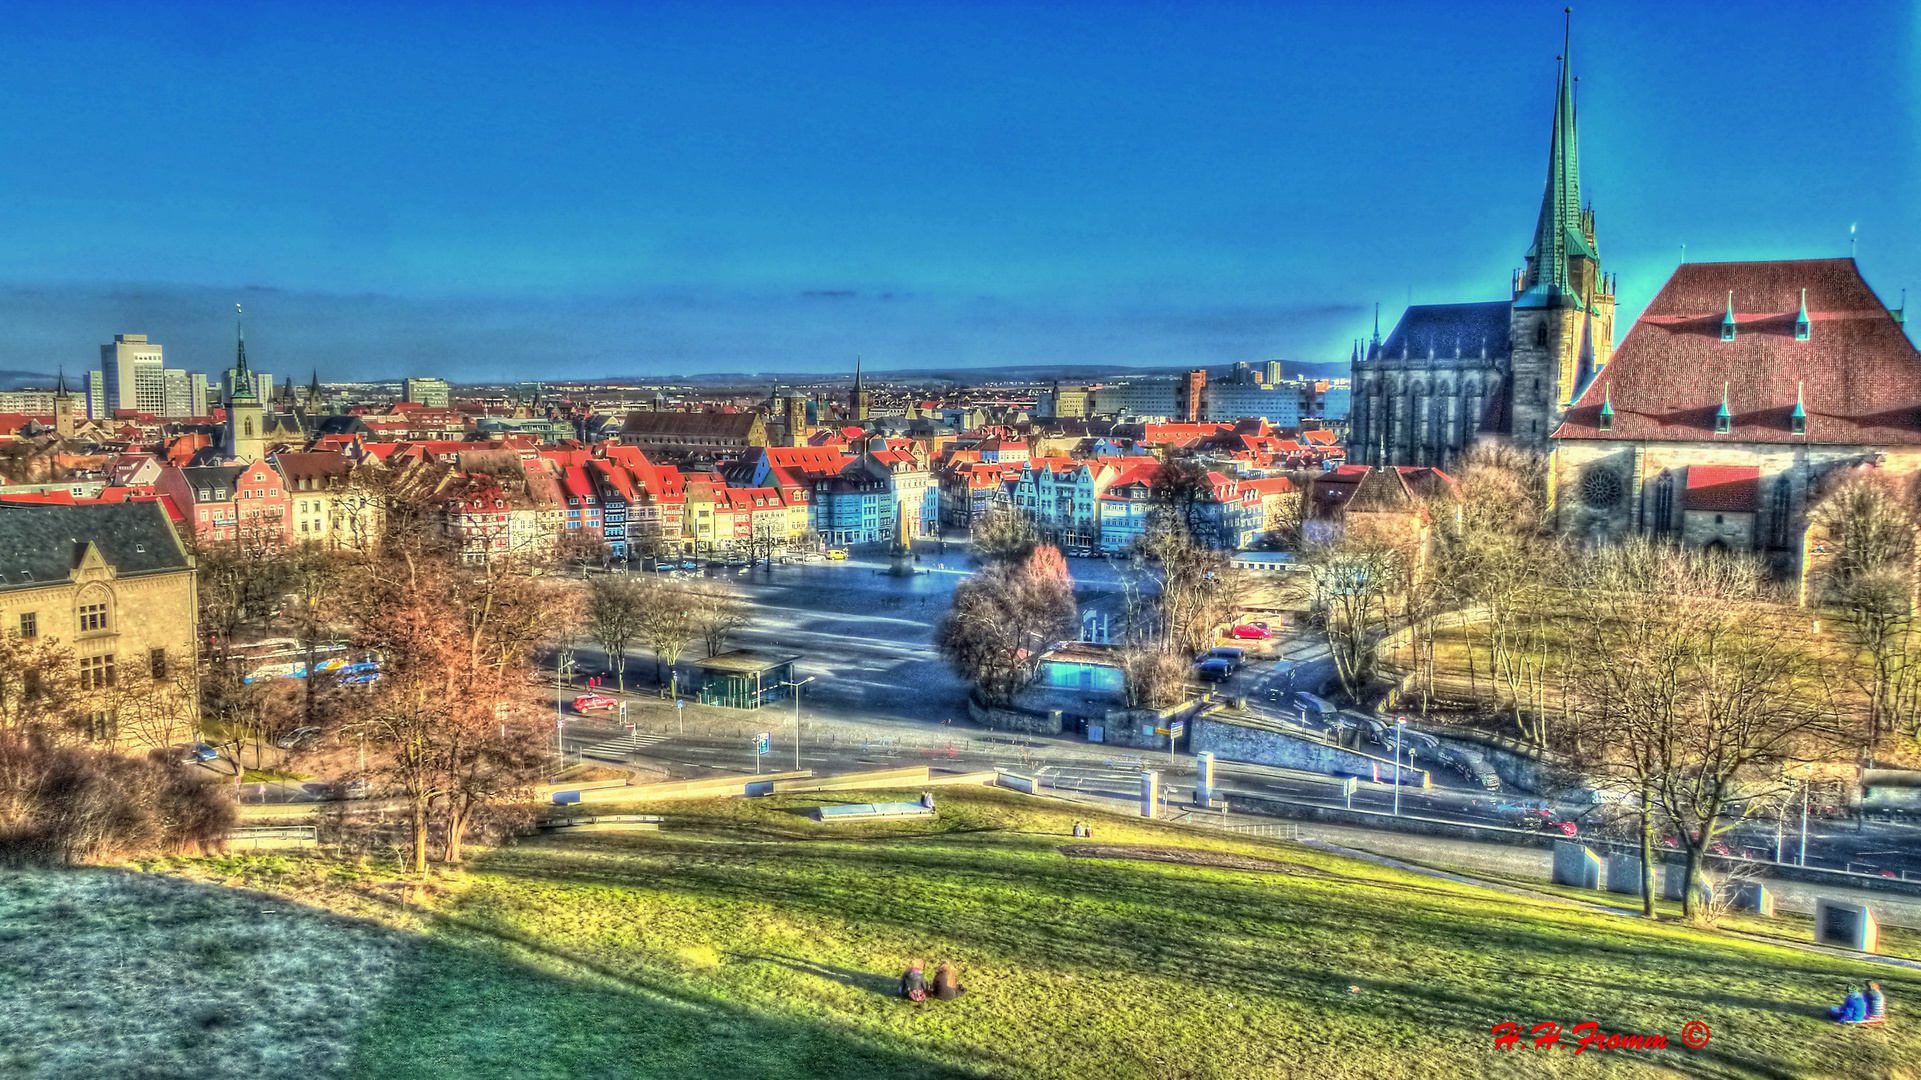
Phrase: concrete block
(1851, 926)
(1576, 865)
(1753, 897)
(1674, 878)
(1624, 873)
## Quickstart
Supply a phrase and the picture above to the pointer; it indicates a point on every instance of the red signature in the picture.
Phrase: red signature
(1589, 1036)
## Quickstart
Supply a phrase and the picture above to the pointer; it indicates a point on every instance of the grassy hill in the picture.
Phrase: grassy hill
(744, 940)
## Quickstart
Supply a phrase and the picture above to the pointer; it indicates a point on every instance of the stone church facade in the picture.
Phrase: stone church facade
(1450, 375)
(1739, 395)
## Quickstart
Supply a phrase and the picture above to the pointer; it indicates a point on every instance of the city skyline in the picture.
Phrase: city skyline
(745, 189)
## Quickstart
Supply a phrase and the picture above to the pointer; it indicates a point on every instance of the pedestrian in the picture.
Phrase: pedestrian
(1877, 1004)
(947, 985)
(913, 984)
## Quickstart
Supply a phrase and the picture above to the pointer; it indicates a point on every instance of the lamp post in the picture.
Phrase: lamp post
(1400, 725)
(561, 669)
(797, 686)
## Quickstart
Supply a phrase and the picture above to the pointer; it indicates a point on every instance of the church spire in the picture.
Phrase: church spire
(1558, 235)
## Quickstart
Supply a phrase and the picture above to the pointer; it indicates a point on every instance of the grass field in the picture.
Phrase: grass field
(744, 940)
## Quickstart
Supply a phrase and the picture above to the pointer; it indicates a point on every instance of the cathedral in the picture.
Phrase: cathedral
(1450, 375)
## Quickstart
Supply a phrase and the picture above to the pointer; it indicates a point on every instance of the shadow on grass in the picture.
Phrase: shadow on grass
(470, 1011)
(884, 985)
(1464, 962)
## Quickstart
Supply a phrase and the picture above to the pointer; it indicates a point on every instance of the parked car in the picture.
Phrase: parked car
(299, 738)
(1083, 553)
(1251, 632)
(586, 703)
(1472, 765)
(838, 554)
(198, 753)
(1213, 669)
(1229, 653)
(690, 565)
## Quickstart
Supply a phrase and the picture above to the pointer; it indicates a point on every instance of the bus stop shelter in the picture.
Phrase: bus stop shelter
(744, 678)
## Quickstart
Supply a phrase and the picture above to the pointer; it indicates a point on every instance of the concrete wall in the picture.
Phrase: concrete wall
(1013, 719)
(1230, 741)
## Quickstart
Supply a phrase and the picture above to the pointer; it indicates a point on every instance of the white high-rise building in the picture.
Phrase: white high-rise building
(96, 395)
(197, 390)
(176, 394)
(132, 367)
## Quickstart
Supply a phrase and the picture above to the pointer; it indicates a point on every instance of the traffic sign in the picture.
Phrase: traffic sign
(761, 743)
(1177, 729)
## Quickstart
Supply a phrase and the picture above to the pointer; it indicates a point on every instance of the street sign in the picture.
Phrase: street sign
(1177, 729)
(761, 742)
(1160, 731)
(1348, 787)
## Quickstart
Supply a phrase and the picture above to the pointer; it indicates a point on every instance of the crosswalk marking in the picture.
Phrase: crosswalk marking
(624, 745)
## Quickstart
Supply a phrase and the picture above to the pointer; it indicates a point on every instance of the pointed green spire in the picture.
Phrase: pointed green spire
(1723, 419)
(1607, 407)
(1727, 321)
(1558, 235)
(242, 379)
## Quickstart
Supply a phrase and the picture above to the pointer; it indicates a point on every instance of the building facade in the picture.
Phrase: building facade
(1740, 392)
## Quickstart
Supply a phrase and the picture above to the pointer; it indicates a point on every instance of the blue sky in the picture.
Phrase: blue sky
(560, 190)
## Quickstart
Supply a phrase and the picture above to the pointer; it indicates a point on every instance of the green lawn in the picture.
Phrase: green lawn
(744, 940)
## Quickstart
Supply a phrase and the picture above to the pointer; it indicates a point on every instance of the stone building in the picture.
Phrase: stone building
(1740, 391)
(1450, 375)
(112, 583)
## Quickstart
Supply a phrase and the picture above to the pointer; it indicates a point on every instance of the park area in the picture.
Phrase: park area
(746, 939)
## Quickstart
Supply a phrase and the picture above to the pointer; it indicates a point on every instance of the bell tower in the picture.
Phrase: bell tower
(246, 419)
(1562, 328)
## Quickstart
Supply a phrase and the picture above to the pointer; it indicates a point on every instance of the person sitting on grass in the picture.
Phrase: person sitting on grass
(913, 985)
(1877, 1004)
(1851, 1011)
(947, 985)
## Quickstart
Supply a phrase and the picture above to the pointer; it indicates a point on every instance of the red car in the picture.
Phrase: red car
(1252, 631)
(593, 702)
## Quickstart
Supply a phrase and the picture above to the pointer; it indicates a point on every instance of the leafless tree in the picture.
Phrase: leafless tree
(1003, 619)
(1355, 586)
(718, 611)
(616, 616)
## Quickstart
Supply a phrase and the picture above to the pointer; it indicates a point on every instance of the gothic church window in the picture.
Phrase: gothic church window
(1601, 488)
(1664, 503)
(1540, 337)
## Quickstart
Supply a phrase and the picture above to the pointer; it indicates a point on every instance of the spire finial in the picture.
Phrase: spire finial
(1377, 318)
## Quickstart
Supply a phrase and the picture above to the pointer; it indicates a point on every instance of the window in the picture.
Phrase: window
(29, 624)
(93, 618)
(157, 663)
(1723, 423)
(1797, 425)
(1540, 334)
(96, 672)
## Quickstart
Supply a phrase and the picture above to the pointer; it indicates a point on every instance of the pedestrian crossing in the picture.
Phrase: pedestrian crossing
(617, 749)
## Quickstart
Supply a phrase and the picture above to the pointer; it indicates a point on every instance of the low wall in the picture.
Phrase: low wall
(718, 787)
(1495, 834)
(1003, 719)
(1890, 789)
(1230, 740)
(875, 778)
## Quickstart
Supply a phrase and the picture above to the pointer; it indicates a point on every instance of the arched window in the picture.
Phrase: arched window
(247, 427)
(1540, 334)
(1664, 503)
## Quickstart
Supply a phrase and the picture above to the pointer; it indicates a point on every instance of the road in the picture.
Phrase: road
(882, 696)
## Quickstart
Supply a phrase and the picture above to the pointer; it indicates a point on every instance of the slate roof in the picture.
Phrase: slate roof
(41, 544)
(1443, 326)
(1859, 373)
(704, 425)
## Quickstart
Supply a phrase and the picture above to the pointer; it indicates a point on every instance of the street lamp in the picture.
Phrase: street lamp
(797, 686)
(1400, 725)
(561, 669)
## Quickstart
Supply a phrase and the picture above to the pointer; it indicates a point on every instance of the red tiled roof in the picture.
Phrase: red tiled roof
(1732, 488)
(1861, 376)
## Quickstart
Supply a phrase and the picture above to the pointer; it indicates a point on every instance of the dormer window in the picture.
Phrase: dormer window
(1727, 321)
(1801, 320)
(1723, 419)
(1797, 425)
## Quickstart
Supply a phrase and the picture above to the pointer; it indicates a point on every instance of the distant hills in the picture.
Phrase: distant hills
(1022, 373)
(20, 380)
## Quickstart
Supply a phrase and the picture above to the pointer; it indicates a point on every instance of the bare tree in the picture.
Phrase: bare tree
(1867, 524)
(1003, 619)
(616, 617)
(1355, 584)
(718, 611)
(666, 623)
(1004, 534)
